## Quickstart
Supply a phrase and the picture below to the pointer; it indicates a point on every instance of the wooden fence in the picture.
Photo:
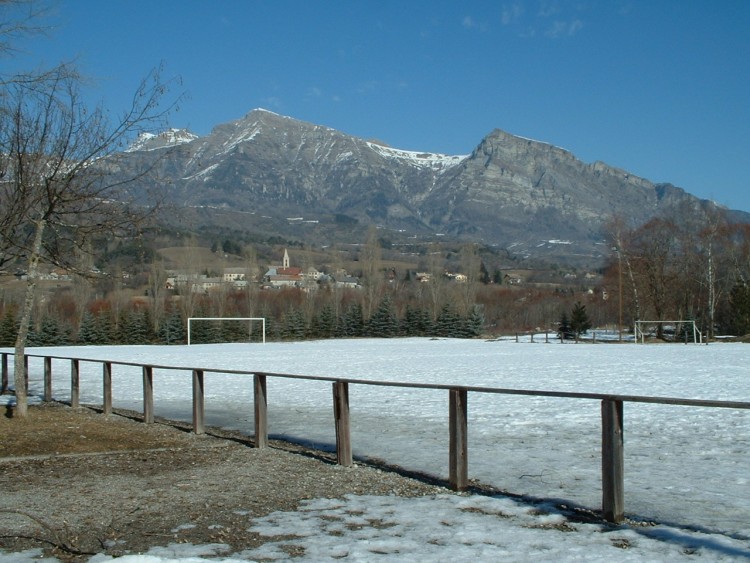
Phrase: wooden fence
(612, 443)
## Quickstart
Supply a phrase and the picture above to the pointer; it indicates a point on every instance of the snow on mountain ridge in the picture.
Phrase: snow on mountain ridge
(169, 138)
(420, 159)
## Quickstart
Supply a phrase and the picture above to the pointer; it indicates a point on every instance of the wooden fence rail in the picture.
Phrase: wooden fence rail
(612, 442)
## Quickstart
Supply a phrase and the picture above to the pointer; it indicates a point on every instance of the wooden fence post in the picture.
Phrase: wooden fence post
(198, 401)
(343, 428)
(47, 379)
(261, 410)
(458, 461)
(613, 474)
(75, 384)
(107, 387)
(4, 383)
(148, 394)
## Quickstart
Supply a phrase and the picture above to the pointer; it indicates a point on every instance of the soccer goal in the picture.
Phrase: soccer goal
(676, 331)
(224, 319)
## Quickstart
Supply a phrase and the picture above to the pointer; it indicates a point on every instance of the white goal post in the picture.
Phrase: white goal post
(640, 332)
(248, 319)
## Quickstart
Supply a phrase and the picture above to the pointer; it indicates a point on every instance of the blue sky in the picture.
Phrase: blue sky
(658, 88)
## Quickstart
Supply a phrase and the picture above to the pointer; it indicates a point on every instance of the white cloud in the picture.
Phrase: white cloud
(468, 22)
(548, 9)
(511, 13)
(564, 28)
(368, 86)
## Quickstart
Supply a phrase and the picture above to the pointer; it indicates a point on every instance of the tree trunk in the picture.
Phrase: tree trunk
(32, 274)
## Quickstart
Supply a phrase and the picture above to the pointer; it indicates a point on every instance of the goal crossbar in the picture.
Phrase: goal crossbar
(249, 319)
(640, 333)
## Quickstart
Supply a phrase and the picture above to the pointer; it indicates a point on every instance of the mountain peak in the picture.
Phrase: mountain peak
(511, 192)
(169, 138)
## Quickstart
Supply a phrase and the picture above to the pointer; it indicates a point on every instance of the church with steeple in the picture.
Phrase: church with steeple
(285, 275)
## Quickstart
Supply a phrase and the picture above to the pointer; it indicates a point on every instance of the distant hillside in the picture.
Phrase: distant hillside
(275, 175)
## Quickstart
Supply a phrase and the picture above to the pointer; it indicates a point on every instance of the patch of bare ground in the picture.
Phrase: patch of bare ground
(77, 482)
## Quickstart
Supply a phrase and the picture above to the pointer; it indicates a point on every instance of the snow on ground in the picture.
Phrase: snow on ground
(685, 467)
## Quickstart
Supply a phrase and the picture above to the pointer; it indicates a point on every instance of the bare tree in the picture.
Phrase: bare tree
(470, 264)
(372, 275)
(621, 239)
(436, 285)
(655, 248)
(58, 184)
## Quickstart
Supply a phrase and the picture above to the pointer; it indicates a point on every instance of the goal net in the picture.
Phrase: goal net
(225, 329)
(668, 331)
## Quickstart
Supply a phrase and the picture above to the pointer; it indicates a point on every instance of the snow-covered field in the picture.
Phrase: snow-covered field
(685, 467)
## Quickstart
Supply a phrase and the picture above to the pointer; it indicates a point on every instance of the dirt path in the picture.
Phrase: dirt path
(76, 482)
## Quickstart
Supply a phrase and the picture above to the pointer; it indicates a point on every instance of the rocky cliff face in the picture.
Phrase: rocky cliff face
(509, 192)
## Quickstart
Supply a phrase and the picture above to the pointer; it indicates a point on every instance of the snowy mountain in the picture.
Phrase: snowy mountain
(151, 141)
(511, 192)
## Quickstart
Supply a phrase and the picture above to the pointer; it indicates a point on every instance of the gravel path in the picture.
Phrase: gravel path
(76, 482)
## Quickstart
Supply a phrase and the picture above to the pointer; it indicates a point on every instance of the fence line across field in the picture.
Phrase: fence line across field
(612, 444)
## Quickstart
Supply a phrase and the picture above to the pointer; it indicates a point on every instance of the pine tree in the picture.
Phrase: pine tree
(136, 329)
(88, 332)
(293, 325)
(51, 333)
(740, 307)
(383, 322)
(474, 322)
(408, 325)
(352, 322)
(8, 328)
(579, 320)
(172, 331)
(234, 331)
(324, 323)
(416, 322)
(105, 327)
(564, 330)
(448, 323)
(204, 332)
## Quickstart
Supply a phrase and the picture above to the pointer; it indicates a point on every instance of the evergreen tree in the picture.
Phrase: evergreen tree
(474, 322)
(8, 328)
(33, 338)
(352, 322)
(105, 326)
(416, 322)
(324, 323)
(579, 320)
(564, 330)
(204, 332)
(293, 325)
(51, 333)
(234, 331)
(135, 328)
(448, 323)
(88, 332)
(96, 329)
(484, 274)
(740, 307)
(172, 331)
(383, 322)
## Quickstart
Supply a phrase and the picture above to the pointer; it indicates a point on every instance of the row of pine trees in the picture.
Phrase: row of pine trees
(136, 326)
